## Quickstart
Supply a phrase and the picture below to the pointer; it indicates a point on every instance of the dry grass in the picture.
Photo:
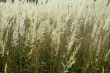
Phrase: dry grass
(57, 37)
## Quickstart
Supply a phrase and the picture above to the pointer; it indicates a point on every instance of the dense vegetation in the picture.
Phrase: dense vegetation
(58, 37)
(33, 1)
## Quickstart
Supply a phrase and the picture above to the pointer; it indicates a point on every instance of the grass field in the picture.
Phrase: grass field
(60, 36)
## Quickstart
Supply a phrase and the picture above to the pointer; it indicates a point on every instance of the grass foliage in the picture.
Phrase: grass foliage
(57, 37)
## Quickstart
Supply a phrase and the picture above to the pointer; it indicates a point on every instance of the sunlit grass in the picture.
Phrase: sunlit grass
(57, 37)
